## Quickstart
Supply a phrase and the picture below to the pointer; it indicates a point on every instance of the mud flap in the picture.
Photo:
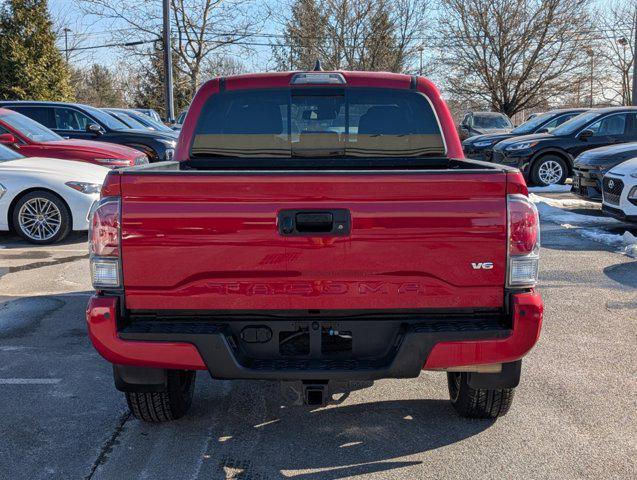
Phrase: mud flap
(509, 377)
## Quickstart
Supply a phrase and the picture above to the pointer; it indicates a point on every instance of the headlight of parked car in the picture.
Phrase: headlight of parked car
(484, 143)
(85, 187)
(112, 162)
(520, 146)
(634, 175)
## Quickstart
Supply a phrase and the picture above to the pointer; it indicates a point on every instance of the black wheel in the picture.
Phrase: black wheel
(41, 217)
(169, 404)
(549, 170)
(477, 403)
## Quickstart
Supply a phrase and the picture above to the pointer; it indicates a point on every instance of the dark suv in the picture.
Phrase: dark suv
(591, 166)
(79, 121)
(480, 147)
(548, 158)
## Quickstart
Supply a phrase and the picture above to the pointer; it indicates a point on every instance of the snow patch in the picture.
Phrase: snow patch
(588, 226)
(551, 189)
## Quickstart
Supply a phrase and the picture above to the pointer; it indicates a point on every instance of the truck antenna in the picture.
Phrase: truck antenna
(317, 66)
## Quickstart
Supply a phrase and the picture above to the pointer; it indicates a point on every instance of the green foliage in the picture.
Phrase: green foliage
(98, 86)
(149, 91)
(31, 66)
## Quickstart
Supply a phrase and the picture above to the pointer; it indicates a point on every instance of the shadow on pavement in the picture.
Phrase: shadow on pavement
(340, 441)
(624, 273)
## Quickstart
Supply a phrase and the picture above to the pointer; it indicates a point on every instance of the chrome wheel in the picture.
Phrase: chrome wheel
(39, 219)
(550, 172)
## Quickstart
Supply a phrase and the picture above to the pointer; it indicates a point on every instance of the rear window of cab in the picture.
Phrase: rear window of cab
(317, 122)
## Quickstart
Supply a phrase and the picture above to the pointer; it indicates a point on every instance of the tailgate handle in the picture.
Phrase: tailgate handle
(306, 222)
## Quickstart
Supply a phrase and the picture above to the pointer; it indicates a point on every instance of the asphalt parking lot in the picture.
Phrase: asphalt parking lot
(574, 416)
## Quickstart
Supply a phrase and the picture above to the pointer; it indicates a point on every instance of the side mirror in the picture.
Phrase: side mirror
(94, 128)
(586, 134)
(543, 130)
(8, 139)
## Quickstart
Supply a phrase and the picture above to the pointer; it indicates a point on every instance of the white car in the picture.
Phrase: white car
(43, 199)
(619, 191)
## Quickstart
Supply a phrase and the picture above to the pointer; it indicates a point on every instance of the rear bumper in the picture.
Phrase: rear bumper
(206, 346)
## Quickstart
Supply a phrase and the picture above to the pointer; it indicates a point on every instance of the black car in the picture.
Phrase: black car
(591, 166)
(480, 147)
(148, 122)
(75, 120)
(548, 158)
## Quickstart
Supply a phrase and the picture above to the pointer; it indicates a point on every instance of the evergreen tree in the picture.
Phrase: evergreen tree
(97, 86)
(31, 66)
(149, 91)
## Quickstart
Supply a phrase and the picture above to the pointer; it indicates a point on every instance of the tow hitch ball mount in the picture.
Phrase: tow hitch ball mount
(318, 393)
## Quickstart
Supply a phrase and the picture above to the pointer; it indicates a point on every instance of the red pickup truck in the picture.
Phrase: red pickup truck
(323, 230)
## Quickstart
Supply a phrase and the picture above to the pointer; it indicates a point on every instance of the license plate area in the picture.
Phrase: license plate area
(313, 339)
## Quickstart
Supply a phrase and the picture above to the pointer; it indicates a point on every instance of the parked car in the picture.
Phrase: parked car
(179, 121)
(149, 112)
(619, 188)
(548, 158)
(591, 166)
(304, 236)
(480, 123)
(480, 147)
(145, 120)
(32, 139)
(127, 120)
(84, 122)
(43, 199)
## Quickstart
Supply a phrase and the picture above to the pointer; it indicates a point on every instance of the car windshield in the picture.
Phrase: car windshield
(284, 123)
(574, 124)
(105, 119)
(491, 121)
(7, 154)
(129, 121)
(148, 121)
(533, 124)
(30, 128)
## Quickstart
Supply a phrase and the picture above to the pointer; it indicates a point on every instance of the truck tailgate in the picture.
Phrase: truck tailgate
(210, 241)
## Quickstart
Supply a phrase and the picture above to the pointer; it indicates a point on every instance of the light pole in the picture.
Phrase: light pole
(66, 43)
(635, 59)
(625, 73)
(591, 54)
(168, 64)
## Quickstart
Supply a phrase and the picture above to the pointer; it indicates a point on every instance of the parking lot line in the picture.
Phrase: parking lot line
(29, 381)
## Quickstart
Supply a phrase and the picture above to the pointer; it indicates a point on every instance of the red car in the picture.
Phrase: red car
(32, 139)
(320, 229)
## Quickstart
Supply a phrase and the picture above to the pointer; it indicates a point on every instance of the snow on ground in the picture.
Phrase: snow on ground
(551, 189)
(588, 226)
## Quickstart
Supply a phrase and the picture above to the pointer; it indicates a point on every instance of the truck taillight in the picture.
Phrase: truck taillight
(524, 241)
(104, 243)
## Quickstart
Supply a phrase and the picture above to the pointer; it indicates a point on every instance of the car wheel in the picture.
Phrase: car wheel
(549, 170)
(477, 403)
(41, 217)
(168, 404)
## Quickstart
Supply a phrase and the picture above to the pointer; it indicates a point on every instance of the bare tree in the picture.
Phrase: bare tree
(201, 28)
(350, 34)
(513, 55)
(617, 45)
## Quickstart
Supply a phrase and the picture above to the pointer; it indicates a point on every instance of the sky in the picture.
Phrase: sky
(88, 31)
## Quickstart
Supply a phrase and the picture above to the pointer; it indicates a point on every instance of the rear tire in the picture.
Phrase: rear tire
(477, 403)
(169, 404)
(549, 170)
